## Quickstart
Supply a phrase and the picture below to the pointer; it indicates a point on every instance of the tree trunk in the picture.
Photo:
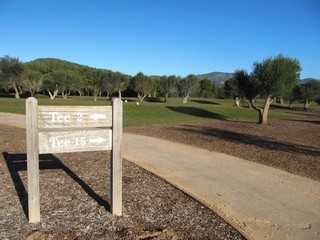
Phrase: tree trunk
(265, 111)
(259, 110)
(166, 97)
(20, 90)
(52, 96)
(55, 93)
(306, 104)
(17, 94)
(237, 102)
(185, 99)
(32, 92)
(141, 97)
(290, 103)
(119, 94)
(64, 94)
(249, 104)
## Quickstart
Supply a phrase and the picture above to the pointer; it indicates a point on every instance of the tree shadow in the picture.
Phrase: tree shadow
(18, 162)
(154, 99)
(282, 107)
(204, 102)
(197, 112)
(305, 121)
(253, 140)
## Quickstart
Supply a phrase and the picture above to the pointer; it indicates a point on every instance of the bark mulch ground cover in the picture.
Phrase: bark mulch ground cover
(74, 198)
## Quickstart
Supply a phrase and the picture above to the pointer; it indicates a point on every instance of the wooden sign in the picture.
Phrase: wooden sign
(74, 116)
(75, 141)
(57, 129)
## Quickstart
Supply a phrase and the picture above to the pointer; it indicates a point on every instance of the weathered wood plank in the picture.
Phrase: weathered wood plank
(33, 159)
(74, 116)
(75, 141)
(116, 161)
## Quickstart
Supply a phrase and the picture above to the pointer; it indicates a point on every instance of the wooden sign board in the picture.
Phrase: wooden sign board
(57, 129)
(74, 116)
(75, 141)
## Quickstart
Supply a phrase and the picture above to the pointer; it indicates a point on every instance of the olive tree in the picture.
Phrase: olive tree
(169, 84)
(205, 88)
(32, 81)
(186, 85)
(142, 84)
(231, 90)
(120, 82)
(310, 91)
(269, 79)
(11, 74)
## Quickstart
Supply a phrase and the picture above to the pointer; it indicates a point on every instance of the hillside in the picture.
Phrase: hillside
(218, 78)
(302, 81)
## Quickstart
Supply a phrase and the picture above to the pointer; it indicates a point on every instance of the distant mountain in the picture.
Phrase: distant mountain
(219, 78)
(302, 81)
(56, 61)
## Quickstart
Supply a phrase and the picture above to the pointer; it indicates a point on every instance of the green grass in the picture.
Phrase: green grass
(173, 111)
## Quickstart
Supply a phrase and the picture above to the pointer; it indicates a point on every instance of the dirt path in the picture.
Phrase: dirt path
(265, 203)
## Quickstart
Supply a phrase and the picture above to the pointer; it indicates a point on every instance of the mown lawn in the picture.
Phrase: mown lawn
(157, 112)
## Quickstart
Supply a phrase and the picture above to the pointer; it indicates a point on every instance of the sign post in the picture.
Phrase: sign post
(57, 129)
(33, 159)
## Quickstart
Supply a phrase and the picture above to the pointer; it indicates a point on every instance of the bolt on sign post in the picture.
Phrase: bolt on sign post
(57, 129)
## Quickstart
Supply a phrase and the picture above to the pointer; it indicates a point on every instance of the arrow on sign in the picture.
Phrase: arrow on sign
(97, 116)
(97, 140)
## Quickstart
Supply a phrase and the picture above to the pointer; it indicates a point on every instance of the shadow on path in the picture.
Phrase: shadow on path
(18, 162)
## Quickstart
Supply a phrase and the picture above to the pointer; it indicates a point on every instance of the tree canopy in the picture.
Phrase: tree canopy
(269, 79)
(11, 74)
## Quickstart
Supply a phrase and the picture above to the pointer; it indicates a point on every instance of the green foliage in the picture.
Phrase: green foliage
(277, 75)
(70, 78)
(310, 90)
(205, 88)
(169, 84)
(247, 86)
(11, 74)
(273, 77)
(187, 85)
(231, 88)
(142, 84)
(32, 80)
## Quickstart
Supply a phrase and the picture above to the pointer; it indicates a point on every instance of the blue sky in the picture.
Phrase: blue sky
(162, 37)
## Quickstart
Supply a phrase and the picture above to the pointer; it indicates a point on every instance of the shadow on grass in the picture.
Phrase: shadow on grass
(204, 102)
(252, 140)
(154, 99)
(18, 162)
(296, 110)
(197, 112)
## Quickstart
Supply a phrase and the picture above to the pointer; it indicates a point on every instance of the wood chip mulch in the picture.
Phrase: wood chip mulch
(74, 199)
